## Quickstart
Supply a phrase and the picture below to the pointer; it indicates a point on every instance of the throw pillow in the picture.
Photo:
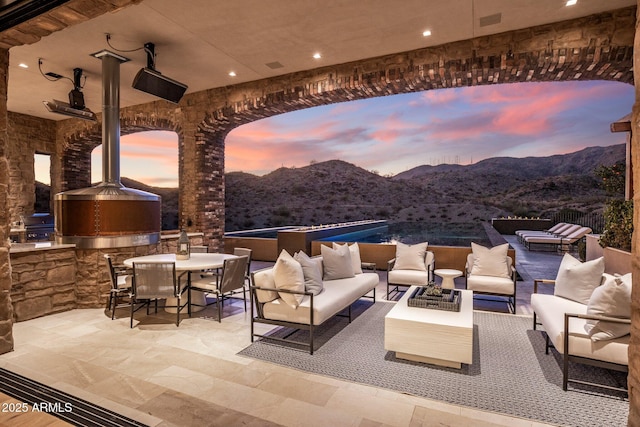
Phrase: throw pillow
(612, 299)
(490, 261)
(336, 263)
(288, 275)
(354, 251)
(312, 271)
(577, 280)
(410, 257)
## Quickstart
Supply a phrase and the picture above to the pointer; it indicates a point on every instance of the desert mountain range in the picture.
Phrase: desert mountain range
(337, 191)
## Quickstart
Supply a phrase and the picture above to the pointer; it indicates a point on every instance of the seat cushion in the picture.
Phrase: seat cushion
(490, 284)
(336, 296)
(550, 311)
(408, 277)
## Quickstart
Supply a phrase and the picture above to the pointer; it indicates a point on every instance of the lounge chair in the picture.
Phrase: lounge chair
(562, 232)
(556, 228)
(560, 242)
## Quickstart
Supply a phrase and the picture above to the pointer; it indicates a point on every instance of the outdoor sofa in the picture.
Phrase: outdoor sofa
(313, 310)
(587, 319)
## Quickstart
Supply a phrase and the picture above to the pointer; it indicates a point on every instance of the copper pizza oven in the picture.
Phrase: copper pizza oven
(108, 215)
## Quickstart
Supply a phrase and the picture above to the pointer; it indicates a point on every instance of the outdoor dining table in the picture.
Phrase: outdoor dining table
(196, 262)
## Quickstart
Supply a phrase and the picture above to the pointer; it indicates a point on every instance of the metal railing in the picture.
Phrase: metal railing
(593, 220)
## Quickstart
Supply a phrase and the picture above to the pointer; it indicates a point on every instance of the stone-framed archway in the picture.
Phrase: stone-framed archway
(593, 48)
(598, 47)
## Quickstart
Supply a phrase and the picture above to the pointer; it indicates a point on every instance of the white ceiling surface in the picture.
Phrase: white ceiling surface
(198, 42)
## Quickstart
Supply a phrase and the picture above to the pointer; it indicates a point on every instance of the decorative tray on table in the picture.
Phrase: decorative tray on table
(432, 296)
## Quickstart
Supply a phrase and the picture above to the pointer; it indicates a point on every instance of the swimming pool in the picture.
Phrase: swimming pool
(456, 234)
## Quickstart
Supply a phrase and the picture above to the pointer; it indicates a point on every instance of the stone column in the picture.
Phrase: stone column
(6, 309)
(634, 346)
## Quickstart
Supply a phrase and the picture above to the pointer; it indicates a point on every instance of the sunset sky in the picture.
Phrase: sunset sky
(395, 133)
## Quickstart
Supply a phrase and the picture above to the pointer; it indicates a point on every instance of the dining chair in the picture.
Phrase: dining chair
(120, 278)
(157, 280)
(231, 279)
(245, 252)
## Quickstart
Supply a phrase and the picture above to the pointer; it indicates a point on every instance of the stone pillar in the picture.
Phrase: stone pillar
(6, 310)
(634, 346)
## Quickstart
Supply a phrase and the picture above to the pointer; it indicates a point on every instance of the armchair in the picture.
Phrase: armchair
(482, 282)
(407, 277)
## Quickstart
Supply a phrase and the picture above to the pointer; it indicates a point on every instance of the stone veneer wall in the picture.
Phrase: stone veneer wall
(6, 309)
(52, 280)
(633, 380)
(28, 135)
(43, 282)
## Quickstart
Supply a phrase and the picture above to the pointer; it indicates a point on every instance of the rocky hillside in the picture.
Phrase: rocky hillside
(337, 191)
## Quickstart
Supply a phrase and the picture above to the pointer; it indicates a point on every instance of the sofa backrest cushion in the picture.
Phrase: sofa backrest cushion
(264, 279)
(312, 271)
(288, 275)
(612, 299)
(577, 280)
(411, 257)
(354, 251)
(490, 261)
(336, 263)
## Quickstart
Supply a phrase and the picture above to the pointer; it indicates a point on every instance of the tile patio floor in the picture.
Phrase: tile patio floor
(162, 375)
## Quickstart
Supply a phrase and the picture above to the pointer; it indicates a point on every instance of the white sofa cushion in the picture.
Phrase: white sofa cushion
(312, 271)
(550, 311)
(336, 263)
(577, 280)
(490, 261)
(354, 252)
(408, 277)
(264, 279)
(288, 275)
(410, 257)
(613, 299)
(490, 284)
(337, 295)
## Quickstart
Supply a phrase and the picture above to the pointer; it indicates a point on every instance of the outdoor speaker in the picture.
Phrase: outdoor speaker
(151, 81)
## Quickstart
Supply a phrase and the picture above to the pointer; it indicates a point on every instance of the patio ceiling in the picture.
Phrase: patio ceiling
(198, 42)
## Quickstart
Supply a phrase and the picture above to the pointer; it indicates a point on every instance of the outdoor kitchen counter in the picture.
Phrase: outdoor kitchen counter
(38, 246)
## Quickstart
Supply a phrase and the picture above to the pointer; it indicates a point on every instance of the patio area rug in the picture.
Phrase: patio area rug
(510, 373)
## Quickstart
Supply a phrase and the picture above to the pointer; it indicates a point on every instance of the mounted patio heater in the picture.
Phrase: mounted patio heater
(108, 215)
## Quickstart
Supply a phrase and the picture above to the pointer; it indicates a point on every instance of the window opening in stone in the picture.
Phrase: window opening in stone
(42, 172)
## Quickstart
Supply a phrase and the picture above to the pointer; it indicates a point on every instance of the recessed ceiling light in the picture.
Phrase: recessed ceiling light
(232, 73)
(426, 33)
(317, 55)
(571, 2)
(23, 65)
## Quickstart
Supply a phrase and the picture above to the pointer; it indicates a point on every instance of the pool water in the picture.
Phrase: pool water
(456, 234)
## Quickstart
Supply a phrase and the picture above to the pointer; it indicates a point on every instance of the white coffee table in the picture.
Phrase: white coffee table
(448, 274)
(427, 335)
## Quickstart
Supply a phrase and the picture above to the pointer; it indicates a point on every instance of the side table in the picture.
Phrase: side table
(448, 274)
